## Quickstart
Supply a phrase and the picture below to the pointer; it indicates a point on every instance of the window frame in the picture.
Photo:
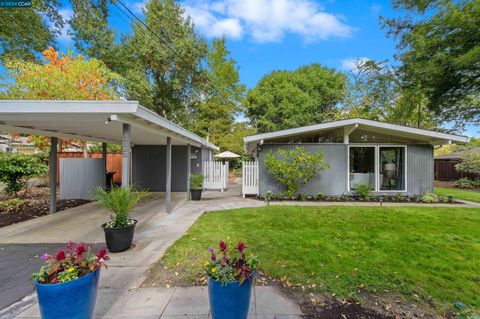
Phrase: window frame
(377, 166)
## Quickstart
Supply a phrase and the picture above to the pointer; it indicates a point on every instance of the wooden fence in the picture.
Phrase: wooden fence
(114, 163)
(445, 171)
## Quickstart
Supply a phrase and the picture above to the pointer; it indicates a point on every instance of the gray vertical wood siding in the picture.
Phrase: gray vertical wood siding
(149, 167)
(333, 181)
(79, 177)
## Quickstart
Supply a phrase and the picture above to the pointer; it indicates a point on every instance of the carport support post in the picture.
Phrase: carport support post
(104, 164)
(168, 184)
(53, 174)
(126, 154)
(189, 168)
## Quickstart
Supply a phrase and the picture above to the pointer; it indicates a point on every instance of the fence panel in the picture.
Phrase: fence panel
(215, 175)
(249, 178)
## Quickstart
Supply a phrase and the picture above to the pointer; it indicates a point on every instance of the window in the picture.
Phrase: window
(383, 168)
(362, 166)
(392, 168)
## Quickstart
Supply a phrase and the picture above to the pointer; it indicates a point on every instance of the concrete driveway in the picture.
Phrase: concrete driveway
(21, 244)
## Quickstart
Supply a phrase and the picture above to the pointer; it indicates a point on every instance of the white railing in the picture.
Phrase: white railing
(216, 175)
(249, 178)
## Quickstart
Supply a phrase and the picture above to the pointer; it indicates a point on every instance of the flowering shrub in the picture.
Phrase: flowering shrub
(70, 264)
(231, 264)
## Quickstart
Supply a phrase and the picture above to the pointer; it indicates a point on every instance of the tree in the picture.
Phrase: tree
(294, 168)
(164, 70)
(91, 32)
(232, 140)
(439, 47)
(60, 77)
(16, 169)
(470, 162)
(216, 114)
(286, 99)
(25, 32)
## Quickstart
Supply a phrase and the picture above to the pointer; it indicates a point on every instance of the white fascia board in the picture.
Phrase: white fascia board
(57, 106)
(363, 122)
(154, 118)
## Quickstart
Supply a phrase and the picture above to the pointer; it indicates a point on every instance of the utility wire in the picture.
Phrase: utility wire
(140, 23)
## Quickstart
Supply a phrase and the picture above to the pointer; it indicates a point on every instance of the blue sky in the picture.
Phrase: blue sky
(266, 35)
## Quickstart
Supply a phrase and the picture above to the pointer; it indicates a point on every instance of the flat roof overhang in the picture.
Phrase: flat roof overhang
(99, 121)
(422, 135)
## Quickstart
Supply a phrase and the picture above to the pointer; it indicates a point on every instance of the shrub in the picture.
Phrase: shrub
(120, 201)
(429, 198)
(363, 191)
(16, 169)
(470, 162)
(319, 196)
(450, 198)
(13, 205)
(196, 181)
(294, 168)
(466, 183)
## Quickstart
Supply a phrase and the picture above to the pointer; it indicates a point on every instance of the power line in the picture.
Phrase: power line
(149, 31)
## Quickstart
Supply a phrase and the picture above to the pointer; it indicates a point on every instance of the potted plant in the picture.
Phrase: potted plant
(230, 278)
(120, 229)
(67, 283)
(196, 186)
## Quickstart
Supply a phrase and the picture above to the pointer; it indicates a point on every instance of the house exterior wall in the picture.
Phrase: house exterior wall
(149, 167)
(333, 181)
(79, 177)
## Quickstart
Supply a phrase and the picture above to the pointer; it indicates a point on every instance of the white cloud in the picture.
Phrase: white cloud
(265, 20)
(64, 37)
(351, 64)
(138, 7)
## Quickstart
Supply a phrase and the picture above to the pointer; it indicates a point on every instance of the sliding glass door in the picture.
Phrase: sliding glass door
(392, 168)
(382, 168)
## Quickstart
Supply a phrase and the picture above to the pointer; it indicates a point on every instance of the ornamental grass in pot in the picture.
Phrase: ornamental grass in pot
(230, 276)
(196, 186)
(120, 229)
(67, 283)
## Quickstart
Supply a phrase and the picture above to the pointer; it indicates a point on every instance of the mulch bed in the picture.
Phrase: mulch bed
(38, 205)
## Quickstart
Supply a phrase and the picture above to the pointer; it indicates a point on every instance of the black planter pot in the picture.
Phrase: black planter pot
(196, 194)
(119, 239)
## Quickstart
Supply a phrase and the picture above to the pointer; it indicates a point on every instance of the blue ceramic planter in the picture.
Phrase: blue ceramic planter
(230, 301)
(74, 299)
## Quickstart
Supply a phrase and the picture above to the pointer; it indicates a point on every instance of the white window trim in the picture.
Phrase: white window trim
(377, 166)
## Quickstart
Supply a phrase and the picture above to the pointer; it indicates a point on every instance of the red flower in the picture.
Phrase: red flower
(69, 247)
(241, 246)
(60, 255)
(80, 249)
(223, 246)
(102, 254)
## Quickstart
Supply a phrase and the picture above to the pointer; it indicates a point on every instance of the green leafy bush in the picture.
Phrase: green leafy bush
(363, 191)
(466, 183)
(196, 181)
(294, 168)
(120, 201)
(470, 162)
(13, 205)
(429, 198)
(16, 169)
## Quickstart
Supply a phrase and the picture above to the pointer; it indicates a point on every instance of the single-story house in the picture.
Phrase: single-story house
(445, 166)
(157, 155)
(389, 158)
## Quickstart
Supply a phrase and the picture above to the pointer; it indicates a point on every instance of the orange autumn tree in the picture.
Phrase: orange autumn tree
(59, 77)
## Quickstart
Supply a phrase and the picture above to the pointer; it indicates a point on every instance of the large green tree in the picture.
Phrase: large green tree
(439, 47)
(223, 98)
(25, 32)
(286, 99)
(163, 66)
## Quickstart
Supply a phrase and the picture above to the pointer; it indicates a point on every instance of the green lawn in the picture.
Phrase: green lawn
(430, 252)
(473, 196)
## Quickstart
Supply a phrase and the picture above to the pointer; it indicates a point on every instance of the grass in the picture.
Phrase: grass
(470, 195)
(430, 255)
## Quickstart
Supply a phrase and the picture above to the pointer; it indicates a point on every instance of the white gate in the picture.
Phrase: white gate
(216, 175)
(249, 178)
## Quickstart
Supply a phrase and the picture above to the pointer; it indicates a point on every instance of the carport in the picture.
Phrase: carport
(147, 139)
